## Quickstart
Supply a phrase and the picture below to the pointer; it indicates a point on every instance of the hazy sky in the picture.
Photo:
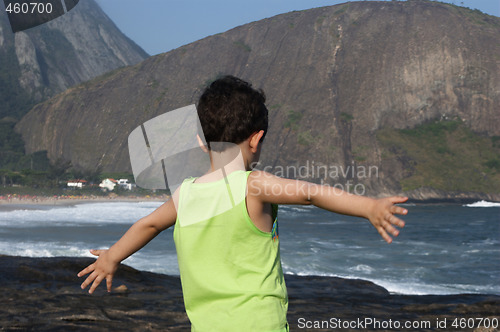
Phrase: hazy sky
(161, 25)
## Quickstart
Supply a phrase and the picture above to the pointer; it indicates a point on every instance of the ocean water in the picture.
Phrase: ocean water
(444, 249)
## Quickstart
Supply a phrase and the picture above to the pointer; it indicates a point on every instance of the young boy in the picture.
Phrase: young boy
(226, 220)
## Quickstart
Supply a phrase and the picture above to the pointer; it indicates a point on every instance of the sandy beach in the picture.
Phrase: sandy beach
(16, 202)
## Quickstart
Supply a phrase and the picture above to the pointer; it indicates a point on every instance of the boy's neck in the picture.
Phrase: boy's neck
(230, 159)
(223, 163)
(226, 158)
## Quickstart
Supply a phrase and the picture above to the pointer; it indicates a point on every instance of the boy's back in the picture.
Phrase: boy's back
(230, 269)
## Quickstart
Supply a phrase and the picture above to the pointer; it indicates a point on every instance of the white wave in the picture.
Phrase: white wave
(88, 213)
(296, 209)
(165, 263)
(308, 274)
(41, 249)
(436, 289)
(415, 288)
(326, 223)
(480, 289)
(362, 268)
(483, 203)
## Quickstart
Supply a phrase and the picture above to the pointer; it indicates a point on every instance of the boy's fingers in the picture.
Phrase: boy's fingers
(384, 234)
(109, 283)
(96, 283)
(95, 252)
(389, 228)
(398, 222)
(398, 210)
(398, 199)
(392, 219)
(386, 227)
(385, 224)
(86, 270)
(87, 281)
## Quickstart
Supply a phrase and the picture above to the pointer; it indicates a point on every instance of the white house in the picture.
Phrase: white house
(77, 183)
(108, 184)
(125, 184)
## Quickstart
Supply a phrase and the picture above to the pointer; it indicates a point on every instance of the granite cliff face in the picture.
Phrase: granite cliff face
(71, 49)
(345, 84)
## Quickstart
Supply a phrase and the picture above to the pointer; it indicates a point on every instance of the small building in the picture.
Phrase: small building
(77, 183)
(125, 184)
(108, 184)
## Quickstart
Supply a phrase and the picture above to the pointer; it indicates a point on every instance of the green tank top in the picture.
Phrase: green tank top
(230, 270)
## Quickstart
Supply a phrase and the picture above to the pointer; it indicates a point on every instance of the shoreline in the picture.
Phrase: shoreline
(17, 202)
(44, 294)
(14, 202)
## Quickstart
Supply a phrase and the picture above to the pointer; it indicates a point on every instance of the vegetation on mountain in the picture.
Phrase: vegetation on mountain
(444, 155)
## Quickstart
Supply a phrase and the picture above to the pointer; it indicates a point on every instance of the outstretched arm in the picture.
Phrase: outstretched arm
(380, 212)
(134, 239)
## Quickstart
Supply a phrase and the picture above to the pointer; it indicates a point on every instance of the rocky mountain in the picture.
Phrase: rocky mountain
(371, 96)
(48, 59)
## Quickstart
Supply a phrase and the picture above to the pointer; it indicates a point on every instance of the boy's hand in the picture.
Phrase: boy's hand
(103, 268)
(382, 216)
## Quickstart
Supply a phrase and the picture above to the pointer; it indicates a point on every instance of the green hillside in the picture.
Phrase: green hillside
(444, 155)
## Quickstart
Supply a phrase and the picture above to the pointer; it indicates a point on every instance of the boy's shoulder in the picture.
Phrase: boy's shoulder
(269, 188)
(261, 184)
(257, 179)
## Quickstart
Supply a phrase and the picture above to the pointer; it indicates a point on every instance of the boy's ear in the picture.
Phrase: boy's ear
(255, 140)
(200, 142)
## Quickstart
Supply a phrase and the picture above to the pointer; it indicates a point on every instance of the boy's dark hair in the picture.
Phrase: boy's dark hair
(230, 110)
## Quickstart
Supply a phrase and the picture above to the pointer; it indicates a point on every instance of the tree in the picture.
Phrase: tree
(58, 169)
(3, 175)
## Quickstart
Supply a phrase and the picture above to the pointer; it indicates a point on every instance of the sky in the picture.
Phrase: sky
(162, 25)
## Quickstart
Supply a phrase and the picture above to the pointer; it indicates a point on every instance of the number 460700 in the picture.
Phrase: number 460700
(29, 8)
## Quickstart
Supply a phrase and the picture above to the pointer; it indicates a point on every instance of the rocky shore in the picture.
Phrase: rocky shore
(431, 195)
(43, 294)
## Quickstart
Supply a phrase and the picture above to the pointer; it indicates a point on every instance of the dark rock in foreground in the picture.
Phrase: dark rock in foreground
(43, 294)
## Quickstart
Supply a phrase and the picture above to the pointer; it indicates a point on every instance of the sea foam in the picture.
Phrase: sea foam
(483, 203)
